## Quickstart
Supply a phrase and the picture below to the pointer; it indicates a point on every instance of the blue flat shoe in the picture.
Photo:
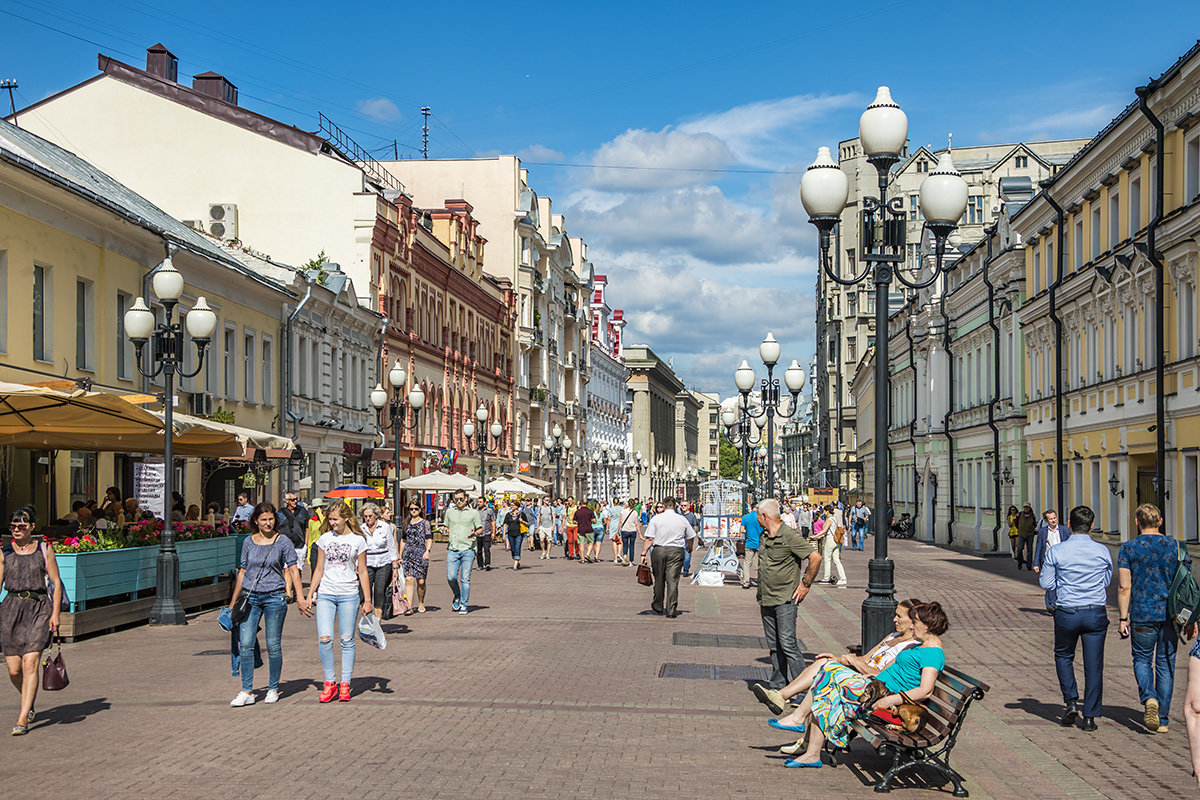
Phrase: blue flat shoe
(791, 762)
(774, 723)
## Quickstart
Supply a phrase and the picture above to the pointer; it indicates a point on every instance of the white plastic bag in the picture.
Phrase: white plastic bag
(371, 632)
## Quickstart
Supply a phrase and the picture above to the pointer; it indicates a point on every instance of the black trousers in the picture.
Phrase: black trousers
(1025, 550)
(378, 579)
(483, 550)
(667, 564)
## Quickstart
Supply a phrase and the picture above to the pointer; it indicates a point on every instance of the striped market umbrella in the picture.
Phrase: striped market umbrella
(355, 491)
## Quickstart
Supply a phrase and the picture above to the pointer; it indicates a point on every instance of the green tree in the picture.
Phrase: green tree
(731, 461)
(318, 264)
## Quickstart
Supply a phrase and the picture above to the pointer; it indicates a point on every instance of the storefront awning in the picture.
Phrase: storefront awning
(196, 429)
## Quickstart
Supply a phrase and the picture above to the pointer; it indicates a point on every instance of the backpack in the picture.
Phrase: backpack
(1183, 601)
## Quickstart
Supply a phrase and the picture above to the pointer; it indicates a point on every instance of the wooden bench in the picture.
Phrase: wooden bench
(952, 697)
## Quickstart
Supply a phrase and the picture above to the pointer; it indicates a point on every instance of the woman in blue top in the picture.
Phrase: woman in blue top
(836, 691)
(268, 569)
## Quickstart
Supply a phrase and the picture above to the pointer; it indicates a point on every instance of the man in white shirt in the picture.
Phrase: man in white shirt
(670, 535)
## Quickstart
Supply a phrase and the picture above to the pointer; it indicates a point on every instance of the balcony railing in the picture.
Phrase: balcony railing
(553, 347)
(570, 310)
(572, 360)
(539, 281)
(537, 395)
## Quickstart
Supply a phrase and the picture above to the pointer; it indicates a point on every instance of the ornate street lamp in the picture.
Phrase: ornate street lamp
(824, 190)
(771, 403)
(166, 359)
(639, 466)
(482, 444)
(555, 446)
(395, 418)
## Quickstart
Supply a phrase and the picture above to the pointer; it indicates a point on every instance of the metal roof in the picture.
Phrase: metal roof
(63, 168)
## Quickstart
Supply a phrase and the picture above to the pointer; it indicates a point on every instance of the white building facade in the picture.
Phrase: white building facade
(608, 423)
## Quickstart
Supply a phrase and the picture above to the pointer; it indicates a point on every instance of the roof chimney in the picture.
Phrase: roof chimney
(215, 86)
(162, 63)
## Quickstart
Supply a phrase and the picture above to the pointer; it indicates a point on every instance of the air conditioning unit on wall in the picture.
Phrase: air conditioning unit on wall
(222, 220)
(202, 404)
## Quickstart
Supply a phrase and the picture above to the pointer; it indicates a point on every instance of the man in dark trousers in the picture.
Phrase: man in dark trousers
(1079, 571)
(781, 589)
(293, 523)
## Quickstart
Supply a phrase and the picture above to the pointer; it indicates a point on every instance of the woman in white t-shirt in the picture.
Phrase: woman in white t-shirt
(341, 575)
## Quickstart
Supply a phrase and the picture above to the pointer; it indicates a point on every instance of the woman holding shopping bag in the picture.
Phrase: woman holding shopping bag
(269, 569)
(831, 548)
(341, 578)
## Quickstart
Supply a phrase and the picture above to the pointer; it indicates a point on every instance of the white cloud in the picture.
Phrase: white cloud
(1086, 120)
(379, 109)
(539, 152)
(641, 160)
(759, 133)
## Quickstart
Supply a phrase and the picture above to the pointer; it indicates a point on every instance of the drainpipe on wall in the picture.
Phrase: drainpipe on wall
(289, 414)
(951, 499)
(1160, 431)
(1059, 497)
(987, 263)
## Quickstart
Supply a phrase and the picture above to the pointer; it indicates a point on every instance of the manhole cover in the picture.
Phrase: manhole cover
(714, 672)
(719, 640)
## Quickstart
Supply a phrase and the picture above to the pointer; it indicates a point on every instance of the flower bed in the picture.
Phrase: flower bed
(124, 564)
(142, 534)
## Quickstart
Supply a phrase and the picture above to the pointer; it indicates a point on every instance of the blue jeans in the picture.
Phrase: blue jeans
(1154, 645)
(458, 574)
(514, 547)
(271, 608)
(627, 540)
(687, 562)
(858, 536)
(787, 651)
(344, 610)
(1070, 625)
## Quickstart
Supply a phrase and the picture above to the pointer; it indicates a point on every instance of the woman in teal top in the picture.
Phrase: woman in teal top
(836, 691)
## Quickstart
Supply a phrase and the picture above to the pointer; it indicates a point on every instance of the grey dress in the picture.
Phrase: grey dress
(25, 621)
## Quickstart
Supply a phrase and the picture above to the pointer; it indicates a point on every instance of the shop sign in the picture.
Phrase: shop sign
(149, 485)
(351, 448)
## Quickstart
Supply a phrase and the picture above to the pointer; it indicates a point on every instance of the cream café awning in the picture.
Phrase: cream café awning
(188, 427)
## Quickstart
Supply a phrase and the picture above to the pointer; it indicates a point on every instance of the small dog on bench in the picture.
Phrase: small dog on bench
(908, 716)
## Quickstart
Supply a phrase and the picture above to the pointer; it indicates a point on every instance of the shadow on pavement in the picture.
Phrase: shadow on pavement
(296, 686)
(395, 628)
(372, 684)
(72, 712)
(1051, 712)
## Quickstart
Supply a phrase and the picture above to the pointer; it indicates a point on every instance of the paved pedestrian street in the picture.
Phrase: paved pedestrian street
(552, 688)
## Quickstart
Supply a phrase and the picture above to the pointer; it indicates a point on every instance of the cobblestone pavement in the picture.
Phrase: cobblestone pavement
(550, 688)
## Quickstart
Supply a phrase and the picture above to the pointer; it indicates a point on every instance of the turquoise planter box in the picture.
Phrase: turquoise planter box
(111, 573)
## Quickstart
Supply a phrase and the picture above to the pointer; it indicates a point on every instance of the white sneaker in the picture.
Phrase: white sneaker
(272, 696)
(843, 583)
(243, 699)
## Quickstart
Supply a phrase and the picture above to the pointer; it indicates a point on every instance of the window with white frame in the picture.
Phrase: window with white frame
(85, 322)
(1077, 482)
(231, 363)
(1110, 347)
(1187, 319)
(43, 313)
(1037, 269)
(1148, 312)
(1135, 203)
(1113, 523)
(1130, 323)
(1078, 241)
(1192, 169)
(1097, 233)
(1051, 264)
(1114, 217)
(250, 364)
(1191, 496)
(124, 348)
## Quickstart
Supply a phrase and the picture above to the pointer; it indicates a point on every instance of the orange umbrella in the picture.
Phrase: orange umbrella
(355, 491)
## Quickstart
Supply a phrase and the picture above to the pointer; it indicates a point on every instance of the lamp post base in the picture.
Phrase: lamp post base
(167, 610)
(880, 605)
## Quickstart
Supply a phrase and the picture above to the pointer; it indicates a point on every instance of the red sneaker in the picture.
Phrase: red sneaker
(328, 693)
(344, 694)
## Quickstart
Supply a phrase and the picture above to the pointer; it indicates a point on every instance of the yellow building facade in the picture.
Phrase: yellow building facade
(1103, 351)
(74, 248)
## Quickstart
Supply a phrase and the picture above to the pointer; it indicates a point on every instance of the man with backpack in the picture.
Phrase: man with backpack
(1152, 568)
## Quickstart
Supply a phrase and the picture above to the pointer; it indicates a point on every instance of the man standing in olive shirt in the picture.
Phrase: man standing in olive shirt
(781, 552)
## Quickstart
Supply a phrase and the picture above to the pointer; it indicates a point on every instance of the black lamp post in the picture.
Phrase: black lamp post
(601, 461)
(824, 190)
(395, 418)
(166, 359)
(743, 438)
(556, 446)
(482, 445)
(769, 397)
(640, 466)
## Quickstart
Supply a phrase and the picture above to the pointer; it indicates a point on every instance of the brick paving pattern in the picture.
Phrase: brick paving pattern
(550, 688)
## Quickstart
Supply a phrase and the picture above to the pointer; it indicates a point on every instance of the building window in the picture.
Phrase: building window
(1135, 204)
(268, 379)
(43, 307)
(231, 363)
(1051, 264)
(1187, 320)
(83, 476)
(1114, 218)
(1148, 312)
(1192, 167)
(852, 349)
(852, 304)
(974, 212)
(249, 366)
(1078, 242)
(1022, 162)
(1130, 323)
(3, 301)
(1097, 236)
(913, 209)
(85, 321)
(1037, 269)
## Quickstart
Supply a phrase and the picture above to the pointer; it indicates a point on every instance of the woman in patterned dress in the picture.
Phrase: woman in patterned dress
(418, 539)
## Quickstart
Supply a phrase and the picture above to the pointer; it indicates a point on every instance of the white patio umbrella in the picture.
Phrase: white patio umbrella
(514, 486)
(439, 482)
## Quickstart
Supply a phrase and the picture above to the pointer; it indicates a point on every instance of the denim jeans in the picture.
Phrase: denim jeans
(342, 609)
(627, 540)
(1154, 645)
(271, 608)
(1091, 625)
(458, 574)
(787, 658)
(858, 535)
(514, 547)
(687, 562)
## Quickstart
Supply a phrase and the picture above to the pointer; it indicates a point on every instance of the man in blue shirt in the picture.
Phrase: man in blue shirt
(752, 530)
(1146, 567)
(1079, 571)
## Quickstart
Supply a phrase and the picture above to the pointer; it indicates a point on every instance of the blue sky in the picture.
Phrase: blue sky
(705, 241)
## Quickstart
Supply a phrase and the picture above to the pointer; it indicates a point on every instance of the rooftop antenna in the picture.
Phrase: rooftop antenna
(425, 132)
(11, 85)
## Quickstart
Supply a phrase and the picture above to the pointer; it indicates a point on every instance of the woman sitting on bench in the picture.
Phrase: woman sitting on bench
(834, 698)
(878, 658)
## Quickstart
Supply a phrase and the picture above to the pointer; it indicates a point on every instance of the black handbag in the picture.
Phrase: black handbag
(54, 669)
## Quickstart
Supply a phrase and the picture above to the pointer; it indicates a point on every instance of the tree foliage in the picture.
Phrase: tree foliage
(731, 461)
